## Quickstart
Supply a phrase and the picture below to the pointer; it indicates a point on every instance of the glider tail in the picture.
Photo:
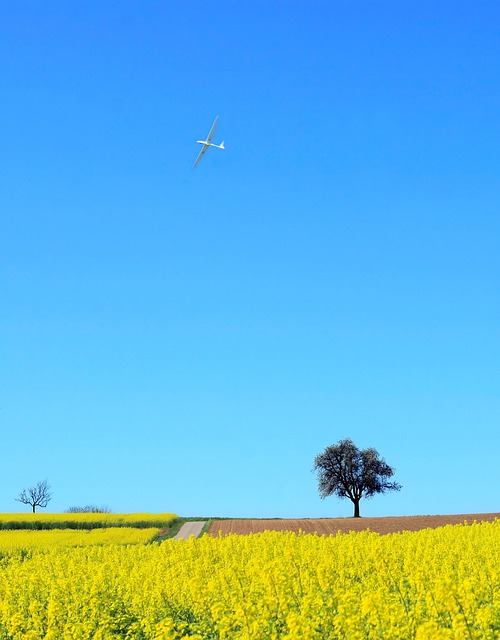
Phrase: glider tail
(222, 145)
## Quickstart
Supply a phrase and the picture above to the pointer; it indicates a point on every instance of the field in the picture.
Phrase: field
(45, 540)
(433, 584)
(84, 520)
(328, 526)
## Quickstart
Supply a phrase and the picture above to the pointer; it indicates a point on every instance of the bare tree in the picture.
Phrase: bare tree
(36, 496)
(89, 508)
(348, 472)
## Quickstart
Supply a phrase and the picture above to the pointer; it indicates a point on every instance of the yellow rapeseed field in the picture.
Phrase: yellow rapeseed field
(436, 584)
(43, 540)
(83, 520)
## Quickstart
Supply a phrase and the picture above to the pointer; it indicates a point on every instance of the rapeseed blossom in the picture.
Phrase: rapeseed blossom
(440, 584)
(50, 539)
(83, 520)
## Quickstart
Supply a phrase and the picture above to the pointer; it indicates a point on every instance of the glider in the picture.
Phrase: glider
(208, 143)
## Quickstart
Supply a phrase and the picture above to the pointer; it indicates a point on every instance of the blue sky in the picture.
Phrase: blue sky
(189, 340)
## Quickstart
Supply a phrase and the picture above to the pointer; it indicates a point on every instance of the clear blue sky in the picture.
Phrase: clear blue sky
(188, 340)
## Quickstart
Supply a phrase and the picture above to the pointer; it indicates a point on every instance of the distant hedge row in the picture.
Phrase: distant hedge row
(38, 521)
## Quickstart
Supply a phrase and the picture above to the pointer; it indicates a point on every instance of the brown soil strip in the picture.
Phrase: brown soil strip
(328, 526)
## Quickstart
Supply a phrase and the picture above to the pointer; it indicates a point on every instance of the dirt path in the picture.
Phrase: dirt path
(189, 529)
(327, 526)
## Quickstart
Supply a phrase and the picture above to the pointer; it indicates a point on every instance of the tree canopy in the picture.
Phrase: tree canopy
(348, 472)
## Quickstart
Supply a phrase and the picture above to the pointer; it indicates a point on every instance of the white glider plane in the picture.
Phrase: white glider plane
(208, 143)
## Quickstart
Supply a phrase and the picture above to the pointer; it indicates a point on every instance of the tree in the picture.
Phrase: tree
(36, 496)
(89, 508)
(347, 472)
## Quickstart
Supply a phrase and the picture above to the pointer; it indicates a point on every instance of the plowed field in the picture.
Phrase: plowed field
(328, 526)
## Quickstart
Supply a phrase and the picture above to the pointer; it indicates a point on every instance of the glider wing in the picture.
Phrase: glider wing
(212, 130)
(200, 155)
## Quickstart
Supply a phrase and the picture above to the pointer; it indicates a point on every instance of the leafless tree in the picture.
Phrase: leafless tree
(89, 508)
(36, 496)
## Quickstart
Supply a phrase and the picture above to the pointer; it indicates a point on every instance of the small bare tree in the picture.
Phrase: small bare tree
(36, 496)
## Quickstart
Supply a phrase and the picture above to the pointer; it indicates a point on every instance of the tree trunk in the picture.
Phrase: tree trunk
(33, 508)
(356, 509)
